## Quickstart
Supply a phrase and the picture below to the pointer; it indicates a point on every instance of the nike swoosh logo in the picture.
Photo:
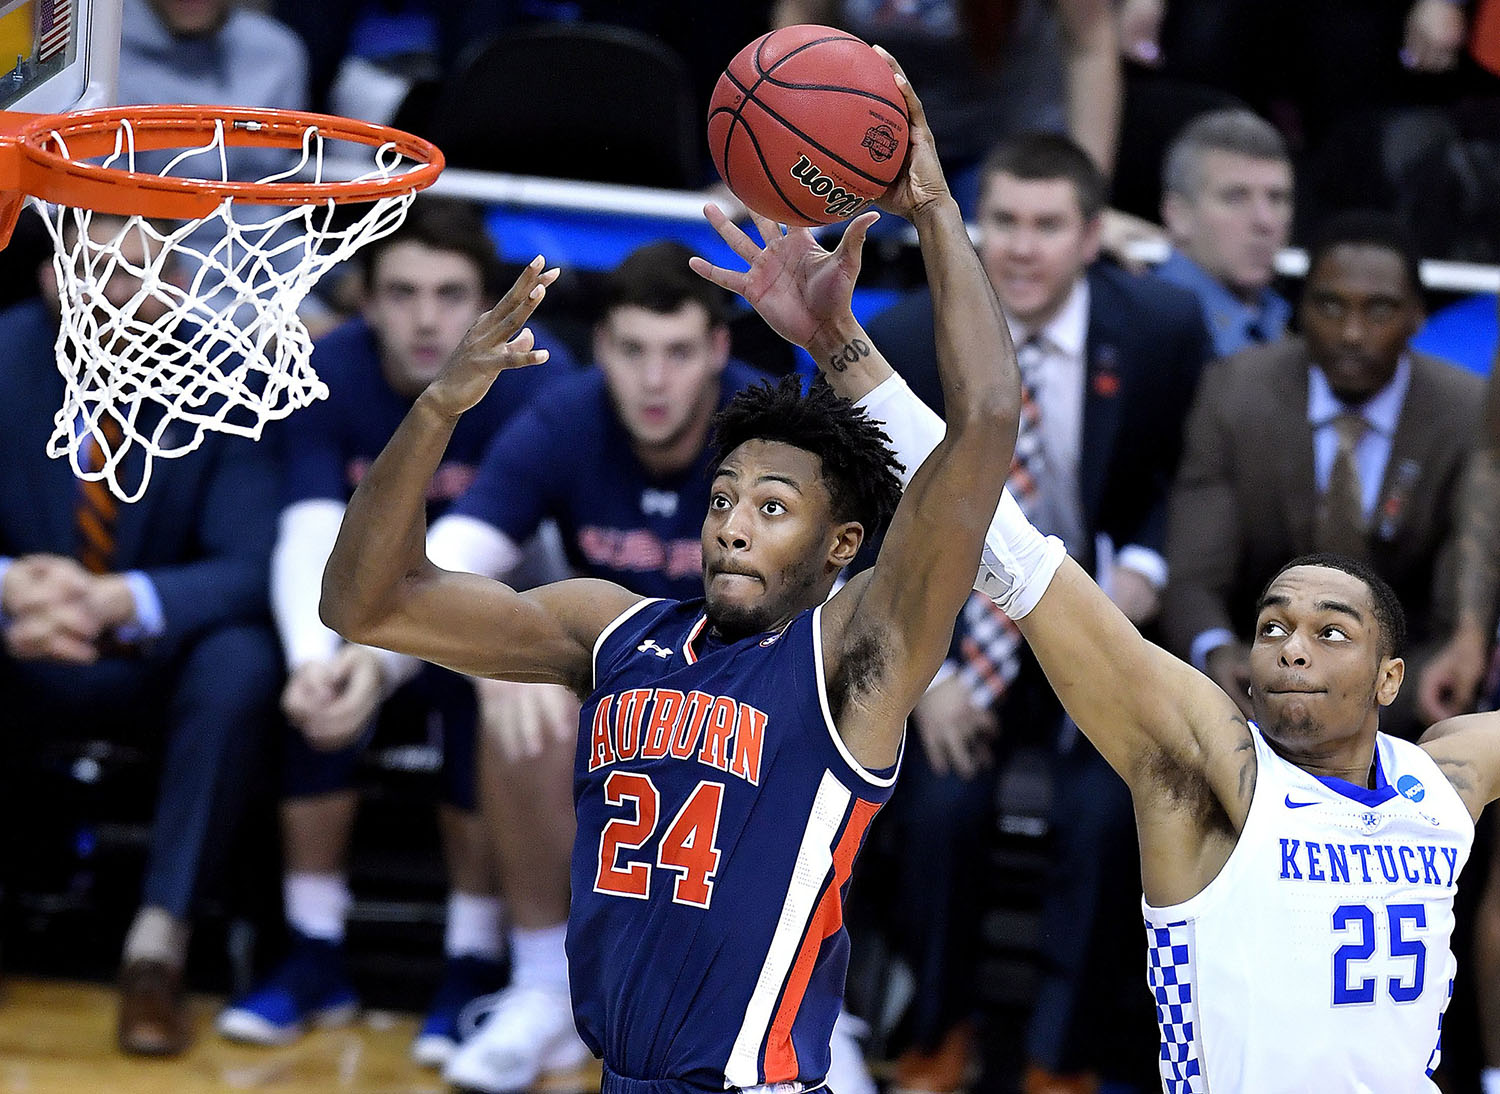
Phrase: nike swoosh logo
(1297, 805)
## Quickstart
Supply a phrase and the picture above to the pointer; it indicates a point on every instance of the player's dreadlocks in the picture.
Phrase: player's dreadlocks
(861, 470)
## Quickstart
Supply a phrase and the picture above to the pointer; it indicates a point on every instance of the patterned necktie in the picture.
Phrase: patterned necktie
(1029, 461)
(97, 507)
(1341, 510)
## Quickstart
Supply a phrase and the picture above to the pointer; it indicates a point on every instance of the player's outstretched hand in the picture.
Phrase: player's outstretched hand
(498, 340)
(798, 286)
(921, 181)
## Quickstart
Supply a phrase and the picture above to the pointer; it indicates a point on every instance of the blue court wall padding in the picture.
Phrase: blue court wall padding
(595, 241)
(1464, 332)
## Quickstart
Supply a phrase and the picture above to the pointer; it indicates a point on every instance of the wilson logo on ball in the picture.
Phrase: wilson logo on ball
(838, 201)
(880, 142)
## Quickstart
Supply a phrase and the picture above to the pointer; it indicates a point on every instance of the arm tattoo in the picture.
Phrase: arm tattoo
(1245, 750)
(1478, 580)
(851, 352)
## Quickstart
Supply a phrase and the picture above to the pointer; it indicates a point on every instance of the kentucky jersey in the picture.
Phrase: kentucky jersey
(1318, 959)
(719, 815)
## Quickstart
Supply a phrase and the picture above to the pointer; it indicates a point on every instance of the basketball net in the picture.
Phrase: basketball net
(209, 338)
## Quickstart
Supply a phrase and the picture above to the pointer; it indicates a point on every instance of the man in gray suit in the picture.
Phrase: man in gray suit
(1344, 439)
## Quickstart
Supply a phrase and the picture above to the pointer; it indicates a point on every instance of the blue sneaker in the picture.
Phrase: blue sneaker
(310, 988)
(464, 979)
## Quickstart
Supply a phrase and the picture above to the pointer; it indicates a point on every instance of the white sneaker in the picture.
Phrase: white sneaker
(847, 1073)
(528, 1032)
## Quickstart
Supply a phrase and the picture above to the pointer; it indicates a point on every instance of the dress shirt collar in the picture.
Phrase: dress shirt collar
(1068, 330)
(1380, 412)
(1225, 311)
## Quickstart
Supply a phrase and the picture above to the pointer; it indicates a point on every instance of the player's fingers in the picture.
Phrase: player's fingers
(731, 233)
(853, 241)
(913, 104)
(733, 280)
(769, 230)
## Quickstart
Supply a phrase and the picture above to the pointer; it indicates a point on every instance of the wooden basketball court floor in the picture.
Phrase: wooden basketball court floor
(57, 1037)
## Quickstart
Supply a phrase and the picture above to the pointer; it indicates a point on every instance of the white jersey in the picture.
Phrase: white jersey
(1318, 958)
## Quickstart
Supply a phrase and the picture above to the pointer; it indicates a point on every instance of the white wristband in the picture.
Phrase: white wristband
(1018, 562)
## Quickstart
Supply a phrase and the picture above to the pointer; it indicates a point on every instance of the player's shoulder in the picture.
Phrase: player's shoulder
(255, 32)
(1452, 381)
(347, 353)
(1170, 306)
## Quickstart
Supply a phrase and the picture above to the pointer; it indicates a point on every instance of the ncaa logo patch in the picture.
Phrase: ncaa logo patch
(1411, 788)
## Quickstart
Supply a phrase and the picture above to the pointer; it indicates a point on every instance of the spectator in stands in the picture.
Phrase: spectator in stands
(1227, 205)
(212, 51)
(618, 457)
(1109, 362)
(143, 624)
(426, 284)
(1371, 440)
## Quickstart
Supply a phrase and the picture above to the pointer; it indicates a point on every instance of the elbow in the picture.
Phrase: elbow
(992, 411)
(341, 612)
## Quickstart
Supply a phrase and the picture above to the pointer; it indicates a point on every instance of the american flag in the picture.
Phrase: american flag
(55, 29)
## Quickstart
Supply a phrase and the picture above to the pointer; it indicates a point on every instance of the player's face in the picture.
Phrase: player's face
(422, 301)
(1359, 312)
(1034, 241)
(1317, 673)
(770, 546)
(191, 18)
(662, 370)
(1239, 216)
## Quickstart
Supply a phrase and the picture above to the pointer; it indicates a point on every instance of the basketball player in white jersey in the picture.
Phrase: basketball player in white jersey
(1299, 869)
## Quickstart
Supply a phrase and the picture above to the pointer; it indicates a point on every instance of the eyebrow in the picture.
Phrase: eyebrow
(730, 473)
(1279, 600)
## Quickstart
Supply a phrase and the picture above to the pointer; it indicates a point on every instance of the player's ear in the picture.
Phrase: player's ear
(1388, 682)
(847, 539)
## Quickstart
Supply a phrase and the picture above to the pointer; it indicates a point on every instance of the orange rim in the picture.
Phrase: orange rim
(31, 161)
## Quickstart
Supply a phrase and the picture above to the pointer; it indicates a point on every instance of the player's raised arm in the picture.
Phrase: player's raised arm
(380, 589)
(1135, 701)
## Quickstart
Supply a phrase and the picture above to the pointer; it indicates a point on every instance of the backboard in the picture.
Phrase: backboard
(58, 55)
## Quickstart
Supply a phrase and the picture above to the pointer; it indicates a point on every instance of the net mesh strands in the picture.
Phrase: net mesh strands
(209, 334)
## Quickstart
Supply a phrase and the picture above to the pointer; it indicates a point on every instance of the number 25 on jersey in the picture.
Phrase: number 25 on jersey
(688, 847)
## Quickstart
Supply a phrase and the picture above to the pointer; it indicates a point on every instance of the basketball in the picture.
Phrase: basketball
(807, 126)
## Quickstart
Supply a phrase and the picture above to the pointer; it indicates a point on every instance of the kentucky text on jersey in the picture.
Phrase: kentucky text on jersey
(654, 723)
(1364, 863)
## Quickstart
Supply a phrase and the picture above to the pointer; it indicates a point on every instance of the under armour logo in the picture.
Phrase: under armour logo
(650, 646)
(661, 503)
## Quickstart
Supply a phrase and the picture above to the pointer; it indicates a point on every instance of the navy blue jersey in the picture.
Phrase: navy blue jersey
(330, 445)
(568, 457)
(719, 815)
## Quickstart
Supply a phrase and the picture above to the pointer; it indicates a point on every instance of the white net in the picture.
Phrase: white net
(172, 329)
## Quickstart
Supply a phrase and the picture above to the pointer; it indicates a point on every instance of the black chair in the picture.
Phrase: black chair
(574, 100)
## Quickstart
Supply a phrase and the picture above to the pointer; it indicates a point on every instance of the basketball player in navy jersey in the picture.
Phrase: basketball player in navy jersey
(1299, 868)
(732, 750)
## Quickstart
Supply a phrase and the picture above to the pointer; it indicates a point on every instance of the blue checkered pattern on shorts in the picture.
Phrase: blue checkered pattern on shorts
(1169, 971)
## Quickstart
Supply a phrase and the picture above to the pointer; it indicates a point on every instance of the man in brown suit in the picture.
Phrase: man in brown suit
(1344, 439)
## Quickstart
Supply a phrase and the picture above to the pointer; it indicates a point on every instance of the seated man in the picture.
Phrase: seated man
(1227, 205)
(1371, 440)
(143, 622)
(426, 284)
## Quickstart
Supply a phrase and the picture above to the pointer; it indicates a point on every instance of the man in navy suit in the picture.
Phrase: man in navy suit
(140, 623)
(1110, 362)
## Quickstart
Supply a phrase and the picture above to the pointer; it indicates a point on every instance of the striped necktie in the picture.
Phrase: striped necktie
(97, 507)
(1029, 462)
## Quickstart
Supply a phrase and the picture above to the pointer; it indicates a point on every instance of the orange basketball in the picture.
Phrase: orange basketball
(807, 126)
